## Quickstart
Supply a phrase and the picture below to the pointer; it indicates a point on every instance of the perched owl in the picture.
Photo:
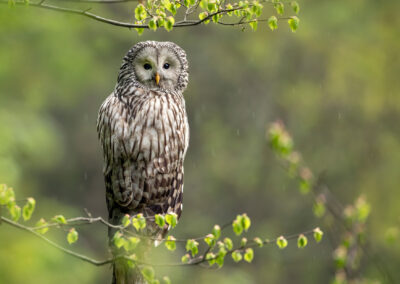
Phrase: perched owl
(144, 132)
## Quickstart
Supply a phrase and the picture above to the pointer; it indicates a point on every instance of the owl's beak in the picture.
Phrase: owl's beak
(157, 78)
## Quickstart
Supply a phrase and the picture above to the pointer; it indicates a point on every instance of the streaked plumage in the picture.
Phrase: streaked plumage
(144, 133)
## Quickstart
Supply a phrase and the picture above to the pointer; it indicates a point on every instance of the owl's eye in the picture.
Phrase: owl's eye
(147, 66)
(166, 66)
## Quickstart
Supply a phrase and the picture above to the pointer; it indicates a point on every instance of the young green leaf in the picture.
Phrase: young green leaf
(246, 222)
(293, 23)
(203, 15)
(28, 209)
(139, 222)
(140, 12)
(148, 273)
(295, 6)
(259, 242)
(228, 243)
(210, 257)
(319, 209)
(273, 23)
(253, 25)
(248, 255)
(237, 227)
(118, 239)
(281, 242)
(243, 242)
(216, 231)
(210, 240)
(185, 258)
(301, 241)
(72, 236)
(279, 8)
(15, 212)
(41, 223)
(126, 220)
(59, 219)
(160, 220)
(153, 24)
(6, 195)
(169, 23)
(170, 243)
(221, 256)
(318, 234)
(192, 246)
(171, 219)
(236, 256)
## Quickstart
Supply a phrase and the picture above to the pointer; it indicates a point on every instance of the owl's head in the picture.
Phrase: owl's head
(156, 66)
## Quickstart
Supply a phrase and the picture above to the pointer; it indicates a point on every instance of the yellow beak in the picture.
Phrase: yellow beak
(157, 78)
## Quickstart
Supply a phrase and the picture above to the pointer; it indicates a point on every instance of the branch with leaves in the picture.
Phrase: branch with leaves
(350, 221)
(211, 248)
(169, 14)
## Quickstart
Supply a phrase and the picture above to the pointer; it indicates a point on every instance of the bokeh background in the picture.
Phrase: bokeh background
(335, 84)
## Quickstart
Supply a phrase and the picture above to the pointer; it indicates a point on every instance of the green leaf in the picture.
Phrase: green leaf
(130, 243)
(192, 246)
(170, 243)
(126, 220)
(171, 219)
(301, 241)
(72, 236)
(259, 242)
(139, 222)
(6, 195)
(281, 242)
(210, 240)
(148, 273)
(216, 231)
(273, 23)
(140, 12)
(237, 227)
(59, 219)
(249, 255)
(243, 242)
(28, 209)
(318, 234)
(279, 8)
(192, 2)
(169, 23)
(210, 257)
(139, 30)
(15, 212)
(185, 258)
(221, 256)
(295, 6)
(203, 15)
(246, 222)
(160, 220)
(41, 223)
(293, 23)
(236, 256)
(228, 243)
(319, 208)
(253, 25)
(118, 239)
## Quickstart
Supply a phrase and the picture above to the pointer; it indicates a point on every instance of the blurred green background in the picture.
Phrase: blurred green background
(335, 84)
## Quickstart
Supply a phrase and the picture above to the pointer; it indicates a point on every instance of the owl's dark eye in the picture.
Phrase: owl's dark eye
(166, 66)
(147, 66)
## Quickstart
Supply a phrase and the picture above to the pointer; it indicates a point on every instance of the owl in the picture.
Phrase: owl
(144, 133)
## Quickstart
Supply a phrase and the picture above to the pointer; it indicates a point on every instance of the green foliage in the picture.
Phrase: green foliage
(237, 256)
(130, 243)
(192, 246)
(294, 23)
(318, 234)
(148, 273)
(139, 222)
(59, 219)
(249, 255)
(170, 243)
(302, 241)
(72, 236)
(28, 209)
(126, 220)
(42, 223)
(160, 220)
(171, 219)
(273, 23)
(281, 242)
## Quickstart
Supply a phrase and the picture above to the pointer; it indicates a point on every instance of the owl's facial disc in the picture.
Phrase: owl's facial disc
(157, 68)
